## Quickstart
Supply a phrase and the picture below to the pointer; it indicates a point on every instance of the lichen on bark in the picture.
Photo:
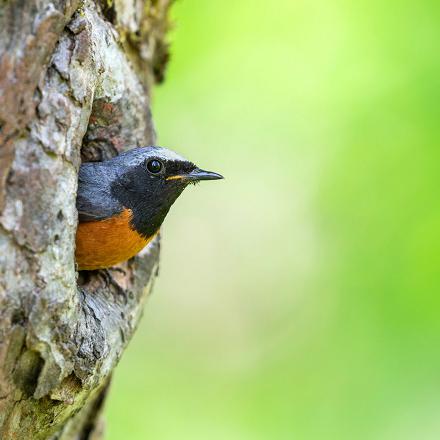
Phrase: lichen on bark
(74, 86)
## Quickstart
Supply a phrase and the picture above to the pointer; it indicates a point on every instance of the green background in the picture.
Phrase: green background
(299, 298)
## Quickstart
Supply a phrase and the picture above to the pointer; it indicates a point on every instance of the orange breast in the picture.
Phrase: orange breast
(104, 243)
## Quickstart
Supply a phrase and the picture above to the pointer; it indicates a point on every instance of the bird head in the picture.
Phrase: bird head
(148, 180)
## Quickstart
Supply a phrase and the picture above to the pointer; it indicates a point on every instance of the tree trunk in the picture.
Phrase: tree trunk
(74, 85)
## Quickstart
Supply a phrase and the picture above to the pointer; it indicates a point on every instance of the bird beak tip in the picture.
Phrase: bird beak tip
(199, 174)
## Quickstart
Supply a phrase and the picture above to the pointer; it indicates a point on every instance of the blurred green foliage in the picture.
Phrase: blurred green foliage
(299, 298)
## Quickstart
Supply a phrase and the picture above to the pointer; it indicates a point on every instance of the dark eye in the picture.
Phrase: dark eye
(154, 166)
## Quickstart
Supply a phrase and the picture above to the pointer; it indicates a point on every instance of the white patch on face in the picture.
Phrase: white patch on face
(164, 153)
(140, 154)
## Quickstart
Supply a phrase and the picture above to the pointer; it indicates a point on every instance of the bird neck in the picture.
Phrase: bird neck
(149, 208)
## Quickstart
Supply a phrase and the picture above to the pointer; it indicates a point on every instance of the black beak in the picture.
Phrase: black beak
(198, 174)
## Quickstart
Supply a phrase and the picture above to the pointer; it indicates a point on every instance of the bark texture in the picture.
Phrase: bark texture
(74, 86)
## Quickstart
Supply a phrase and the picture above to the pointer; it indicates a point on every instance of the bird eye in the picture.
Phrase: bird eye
(154, 166)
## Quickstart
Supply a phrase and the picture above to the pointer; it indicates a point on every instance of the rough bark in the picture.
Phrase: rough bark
(74, 82)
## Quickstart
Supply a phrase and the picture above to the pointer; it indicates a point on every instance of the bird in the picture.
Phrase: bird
(122, 202)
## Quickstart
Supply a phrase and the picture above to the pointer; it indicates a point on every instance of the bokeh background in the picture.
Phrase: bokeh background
(299, 298)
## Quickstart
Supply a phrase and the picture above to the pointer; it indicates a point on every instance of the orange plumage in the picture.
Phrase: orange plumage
(104, 243)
